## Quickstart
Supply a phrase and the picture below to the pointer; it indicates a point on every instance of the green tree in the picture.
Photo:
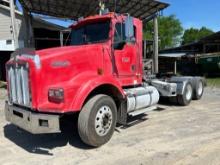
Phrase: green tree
(170, 31)
(193, 34)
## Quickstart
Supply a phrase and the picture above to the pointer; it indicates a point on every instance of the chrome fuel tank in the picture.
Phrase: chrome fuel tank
(141, 97)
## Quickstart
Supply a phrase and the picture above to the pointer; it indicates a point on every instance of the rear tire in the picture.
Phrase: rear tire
(97, 120)
(186, 98)
(198, 93)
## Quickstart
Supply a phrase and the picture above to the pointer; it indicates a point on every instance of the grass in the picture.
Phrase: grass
(2, 84)
(213, 82)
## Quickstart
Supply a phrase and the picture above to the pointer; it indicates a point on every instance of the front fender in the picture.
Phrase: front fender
(90, 83)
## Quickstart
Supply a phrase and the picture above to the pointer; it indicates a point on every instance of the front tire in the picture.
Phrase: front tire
(186, 98)
(97, 120)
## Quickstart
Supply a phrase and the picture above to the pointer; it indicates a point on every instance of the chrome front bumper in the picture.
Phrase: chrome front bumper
(34, 123)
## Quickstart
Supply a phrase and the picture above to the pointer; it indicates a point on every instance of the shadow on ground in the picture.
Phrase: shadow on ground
(43, 144)
(168, 101)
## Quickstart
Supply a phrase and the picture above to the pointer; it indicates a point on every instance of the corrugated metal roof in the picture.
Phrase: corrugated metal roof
(74, 9)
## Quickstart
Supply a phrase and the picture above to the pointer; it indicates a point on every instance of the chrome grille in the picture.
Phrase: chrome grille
(18, 81)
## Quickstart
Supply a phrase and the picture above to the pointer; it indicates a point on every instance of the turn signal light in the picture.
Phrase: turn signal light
(56, 95)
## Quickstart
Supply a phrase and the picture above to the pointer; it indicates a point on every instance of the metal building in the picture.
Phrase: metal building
(201, 57)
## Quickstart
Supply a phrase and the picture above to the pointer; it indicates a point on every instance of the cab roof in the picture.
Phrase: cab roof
(97, 18)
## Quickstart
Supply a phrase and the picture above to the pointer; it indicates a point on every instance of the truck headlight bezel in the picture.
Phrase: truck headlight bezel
(56, 95)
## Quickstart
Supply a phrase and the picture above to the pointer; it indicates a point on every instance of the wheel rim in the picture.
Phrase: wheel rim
(200, 88)
(188, 92)
(103, 120)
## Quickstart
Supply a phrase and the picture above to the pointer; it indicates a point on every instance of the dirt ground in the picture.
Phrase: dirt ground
(173, 135)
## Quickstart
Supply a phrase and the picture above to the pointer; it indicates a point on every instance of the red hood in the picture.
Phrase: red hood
(62, 65)
(73, 55)
(53, 52)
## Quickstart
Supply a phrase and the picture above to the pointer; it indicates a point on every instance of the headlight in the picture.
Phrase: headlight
(56, 95)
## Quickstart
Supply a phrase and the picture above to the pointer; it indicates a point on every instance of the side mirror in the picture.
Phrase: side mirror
(129, 28)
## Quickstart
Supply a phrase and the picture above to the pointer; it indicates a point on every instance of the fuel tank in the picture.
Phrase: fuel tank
(141, 97)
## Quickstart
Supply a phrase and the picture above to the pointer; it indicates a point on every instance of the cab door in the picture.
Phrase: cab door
(125, 53)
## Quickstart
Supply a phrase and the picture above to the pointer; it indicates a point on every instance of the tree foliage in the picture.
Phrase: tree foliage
(170, 31)
(193, 34)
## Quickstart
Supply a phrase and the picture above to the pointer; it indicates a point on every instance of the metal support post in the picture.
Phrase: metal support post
(175, 67)
(156, 47)
(13, 23)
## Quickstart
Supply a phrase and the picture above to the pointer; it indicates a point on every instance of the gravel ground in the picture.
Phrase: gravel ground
(172, 135)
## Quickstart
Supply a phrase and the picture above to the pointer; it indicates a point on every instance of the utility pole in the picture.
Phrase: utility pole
(156, 47)
(13, 23)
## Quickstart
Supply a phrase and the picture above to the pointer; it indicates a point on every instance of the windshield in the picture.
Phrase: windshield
(90, 33)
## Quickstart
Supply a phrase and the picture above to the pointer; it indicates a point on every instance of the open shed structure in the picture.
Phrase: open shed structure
(73, 9)
(208, 44)
(202, 56)
(145, 10)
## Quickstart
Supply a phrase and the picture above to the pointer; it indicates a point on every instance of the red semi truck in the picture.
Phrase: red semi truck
(99, 76)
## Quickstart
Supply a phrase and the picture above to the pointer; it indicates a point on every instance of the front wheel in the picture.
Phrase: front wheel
(186, 98)
(97, 120)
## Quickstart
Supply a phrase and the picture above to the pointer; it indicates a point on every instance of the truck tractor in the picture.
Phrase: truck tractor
(99, 76)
